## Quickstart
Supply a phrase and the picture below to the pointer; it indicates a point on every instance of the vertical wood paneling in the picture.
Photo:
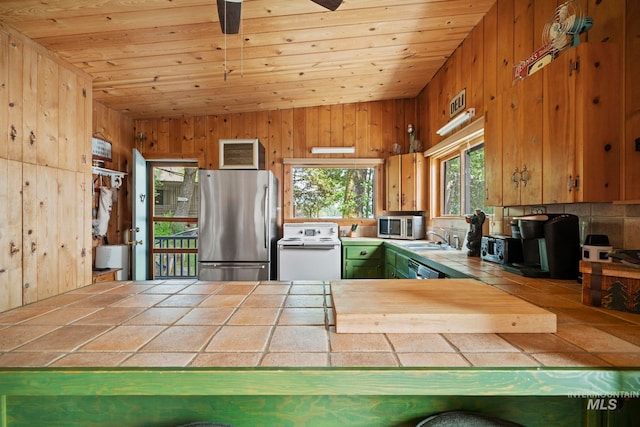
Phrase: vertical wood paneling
(48, 111)
(30, 233)
(505, 45)
(312, 126)
(286, 133)
(490, 54)
(48, 231)
(349, 125)
(10, 234)
(15, 101)
(631, 157)
(299, 132)
(67, 124)
(377, 123)
(29, 105)
(211, 154)
(523, 24)
(324, 127)
(4, 93)
(83, 229)
(67, 231)
(362, 129)
(476, 69)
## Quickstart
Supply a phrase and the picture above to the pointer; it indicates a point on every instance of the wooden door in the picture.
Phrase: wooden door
(493, 153)
(559, 130)
(510, 147)
(410, 186)
(598, 142)
(530, 131)
(522, 142)
(11, 249)
(393, 183)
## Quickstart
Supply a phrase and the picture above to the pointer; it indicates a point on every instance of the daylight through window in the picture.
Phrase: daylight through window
(333, 192)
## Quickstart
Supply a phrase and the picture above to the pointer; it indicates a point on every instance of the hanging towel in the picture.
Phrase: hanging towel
(104, 210)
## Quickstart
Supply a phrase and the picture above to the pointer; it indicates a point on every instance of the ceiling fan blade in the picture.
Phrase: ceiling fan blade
(328, 4)
(229, 13)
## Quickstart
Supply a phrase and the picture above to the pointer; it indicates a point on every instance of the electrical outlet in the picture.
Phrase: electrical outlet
(537, 210)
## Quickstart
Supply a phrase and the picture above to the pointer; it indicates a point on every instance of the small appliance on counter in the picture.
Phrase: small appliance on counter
(501, 249)
(408, 227)
(596, 248)
(550, 246)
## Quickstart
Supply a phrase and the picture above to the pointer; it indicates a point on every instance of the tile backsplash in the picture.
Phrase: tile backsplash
(621, 223)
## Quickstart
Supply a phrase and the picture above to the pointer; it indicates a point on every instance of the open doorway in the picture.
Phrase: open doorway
(174, 217)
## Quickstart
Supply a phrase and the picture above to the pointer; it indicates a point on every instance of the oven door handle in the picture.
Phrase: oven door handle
(307, 246)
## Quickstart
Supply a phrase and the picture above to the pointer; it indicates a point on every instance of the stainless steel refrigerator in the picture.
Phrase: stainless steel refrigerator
(237, 225)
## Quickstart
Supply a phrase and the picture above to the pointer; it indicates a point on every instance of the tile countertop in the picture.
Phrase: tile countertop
(249, 337)
(192, 323)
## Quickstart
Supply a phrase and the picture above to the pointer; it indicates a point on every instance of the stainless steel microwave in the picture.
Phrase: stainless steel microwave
(410, 227)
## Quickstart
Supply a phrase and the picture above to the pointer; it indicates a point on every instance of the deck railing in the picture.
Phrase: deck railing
(179, 264)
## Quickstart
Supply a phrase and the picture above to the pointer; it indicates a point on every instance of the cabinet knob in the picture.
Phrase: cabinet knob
(515, 178)
(524, 176)
(364, 252)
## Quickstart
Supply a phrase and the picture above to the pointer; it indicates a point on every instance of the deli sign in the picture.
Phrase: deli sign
(458, 103)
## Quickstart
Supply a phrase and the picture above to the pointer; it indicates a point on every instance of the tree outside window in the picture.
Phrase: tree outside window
(333, 192)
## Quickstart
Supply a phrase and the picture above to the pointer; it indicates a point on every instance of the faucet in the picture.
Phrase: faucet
(444, 237)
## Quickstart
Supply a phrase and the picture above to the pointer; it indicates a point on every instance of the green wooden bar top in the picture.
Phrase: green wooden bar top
(319, 381)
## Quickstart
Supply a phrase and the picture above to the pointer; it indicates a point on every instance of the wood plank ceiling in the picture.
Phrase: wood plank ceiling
(167, 58)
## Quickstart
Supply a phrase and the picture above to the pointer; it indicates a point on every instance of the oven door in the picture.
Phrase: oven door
(311, 261)
(390, 227)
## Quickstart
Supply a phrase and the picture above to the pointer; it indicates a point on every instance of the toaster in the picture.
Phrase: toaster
(501, 249)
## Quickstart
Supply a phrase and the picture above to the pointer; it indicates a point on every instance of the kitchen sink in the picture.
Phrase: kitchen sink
(426, 246)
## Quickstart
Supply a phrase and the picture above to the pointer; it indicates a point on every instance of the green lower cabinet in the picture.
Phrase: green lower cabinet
(363, 261)
(397, 264)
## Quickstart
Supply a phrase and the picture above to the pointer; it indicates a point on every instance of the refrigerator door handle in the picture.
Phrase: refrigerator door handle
(265, 208)
(233, 266)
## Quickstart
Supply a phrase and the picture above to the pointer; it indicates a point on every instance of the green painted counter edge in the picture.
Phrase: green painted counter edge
(318, 381)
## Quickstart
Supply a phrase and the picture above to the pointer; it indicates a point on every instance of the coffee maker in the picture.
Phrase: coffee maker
(550, 246)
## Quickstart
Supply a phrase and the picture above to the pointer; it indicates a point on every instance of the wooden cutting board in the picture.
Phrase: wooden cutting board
(433, 306)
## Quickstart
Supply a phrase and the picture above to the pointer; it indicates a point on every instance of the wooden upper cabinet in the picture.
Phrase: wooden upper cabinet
(582, 126)
(406, 175)
(493, 153)
(393, 183)
(521, 113)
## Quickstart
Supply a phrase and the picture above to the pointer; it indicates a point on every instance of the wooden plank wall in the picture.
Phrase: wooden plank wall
(509, 33)
(372, 127)
(46, 150)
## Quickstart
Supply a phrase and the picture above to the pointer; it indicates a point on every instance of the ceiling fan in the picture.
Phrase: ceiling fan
(229, 13)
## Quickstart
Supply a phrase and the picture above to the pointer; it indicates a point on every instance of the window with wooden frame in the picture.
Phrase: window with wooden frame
(333, 189)
(456, 167)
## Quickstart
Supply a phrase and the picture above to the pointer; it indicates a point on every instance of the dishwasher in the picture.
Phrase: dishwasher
(421, 271)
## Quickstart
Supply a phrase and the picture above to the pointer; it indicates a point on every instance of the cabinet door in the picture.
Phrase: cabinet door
(493, 153)
(559, 131)
(412, 182)
(522, 142)
(393, 183)
(364, 269)
(582, 132)
(598, 142)
(11, 249)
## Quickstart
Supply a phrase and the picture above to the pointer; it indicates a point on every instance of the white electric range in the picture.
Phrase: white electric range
(309, 251)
